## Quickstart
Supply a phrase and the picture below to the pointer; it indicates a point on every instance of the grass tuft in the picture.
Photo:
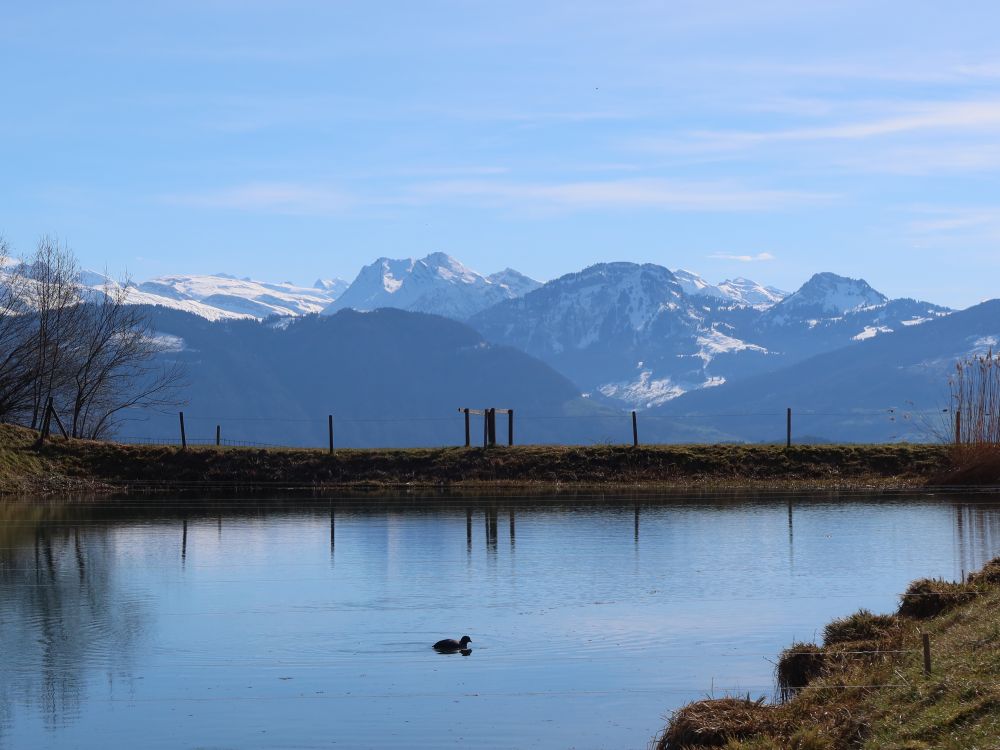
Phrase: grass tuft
(714, 723)
(862, 627)
(798, 665)
(930, 597)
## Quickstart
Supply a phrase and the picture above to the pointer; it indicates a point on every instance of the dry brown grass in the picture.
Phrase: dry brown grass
(61, 463)
(799, 665)
(863, 627)
(714, 723)
(871, 691)
(970, 464)
(929, 597)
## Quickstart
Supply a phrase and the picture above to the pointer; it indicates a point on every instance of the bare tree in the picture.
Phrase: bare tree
(17, 344)
(54, 296)
(115, 367)
(90, 351)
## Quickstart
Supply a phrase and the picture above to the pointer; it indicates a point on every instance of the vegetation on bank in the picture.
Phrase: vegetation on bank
(865, 686)
(92, 465)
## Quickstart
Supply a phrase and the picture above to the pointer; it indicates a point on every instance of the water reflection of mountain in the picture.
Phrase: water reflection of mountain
(64, 611)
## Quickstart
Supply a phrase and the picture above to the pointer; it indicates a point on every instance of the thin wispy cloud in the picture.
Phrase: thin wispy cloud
(929, 159)
(911, 72)
(268, 197)
(946, 116)
(951, 220)
(957, 228)
(614, 194)
(759, 257)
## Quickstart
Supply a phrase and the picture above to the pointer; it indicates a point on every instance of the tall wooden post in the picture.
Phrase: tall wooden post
(47, 422)
(329, 430)
(486, 427)
(958, 428)
(468, 436)
(55, 415)
(635, 430)
(788, 428)
(493, 426)
(184, 442)
(218, 435)
(510, 427)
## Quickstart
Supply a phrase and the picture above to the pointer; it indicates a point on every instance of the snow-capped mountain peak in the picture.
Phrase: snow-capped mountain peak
(437, 283)
(694, 285)
(828, 294)
(740, 290)
(331, 286)
(749, 292)
(515, 281)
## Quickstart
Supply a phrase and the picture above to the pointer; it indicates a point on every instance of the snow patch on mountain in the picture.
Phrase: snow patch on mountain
(712, 343)
(218, 296)
(647, 391)
(644, 391)
(167, 342)
(871, 332)
(985, 345)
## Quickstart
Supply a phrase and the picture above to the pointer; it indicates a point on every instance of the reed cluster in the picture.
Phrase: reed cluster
(975, 397)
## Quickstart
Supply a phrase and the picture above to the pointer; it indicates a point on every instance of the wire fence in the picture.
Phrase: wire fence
(471, 427)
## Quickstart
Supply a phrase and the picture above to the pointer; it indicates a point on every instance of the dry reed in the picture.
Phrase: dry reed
(975, 397)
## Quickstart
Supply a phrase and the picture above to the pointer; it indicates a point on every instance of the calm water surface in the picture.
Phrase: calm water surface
(242, 624)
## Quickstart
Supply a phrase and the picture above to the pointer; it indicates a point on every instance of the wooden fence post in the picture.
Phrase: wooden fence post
(184, 442)
(46, 421)
(218, 435)
(486, 427)
(635, 430)
(59, 424)
(510, 428)
(329, 430)
(788, 428)
(958, 428)
(493, 426)
(927, 653)
(468, 436)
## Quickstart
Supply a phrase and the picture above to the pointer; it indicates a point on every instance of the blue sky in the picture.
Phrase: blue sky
(290, 140)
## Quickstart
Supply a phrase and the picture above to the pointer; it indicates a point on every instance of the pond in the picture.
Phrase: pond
(243, 623)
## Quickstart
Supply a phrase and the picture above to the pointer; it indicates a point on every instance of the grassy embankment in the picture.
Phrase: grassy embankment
(79, 465)
(865, 687)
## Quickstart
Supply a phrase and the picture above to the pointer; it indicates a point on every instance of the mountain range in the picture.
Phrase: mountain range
(624, 335)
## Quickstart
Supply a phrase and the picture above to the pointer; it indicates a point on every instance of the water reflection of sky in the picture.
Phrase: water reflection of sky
(243, 625)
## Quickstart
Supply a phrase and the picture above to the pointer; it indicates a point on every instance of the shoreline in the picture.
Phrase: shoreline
(105, 468)
(925, 676)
